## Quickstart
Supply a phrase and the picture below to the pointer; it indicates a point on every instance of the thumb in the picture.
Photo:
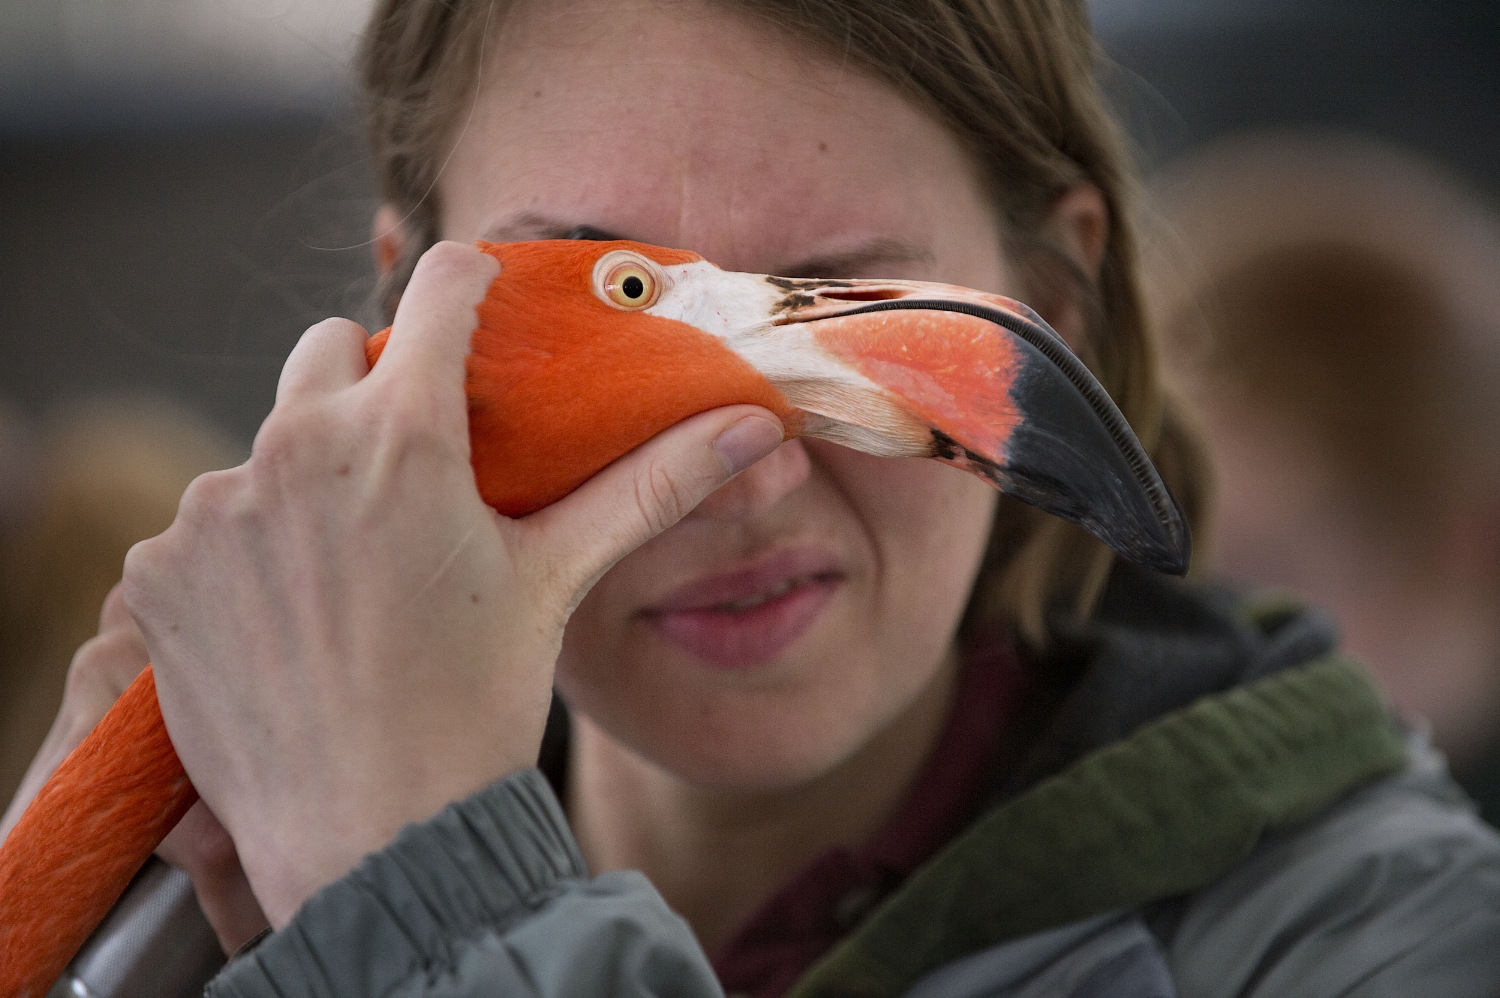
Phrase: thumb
(649, 489)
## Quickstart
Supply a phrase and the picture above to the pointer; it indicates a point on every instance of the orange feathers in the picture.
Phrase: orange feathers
(544, 415)
(85, 835)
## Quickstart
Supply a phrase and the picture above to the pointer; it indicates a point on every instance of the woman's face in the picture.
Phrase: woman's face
(804, 608)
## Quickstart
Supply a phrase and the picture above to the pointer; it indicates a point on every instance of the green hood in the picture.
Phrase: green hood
(1193, 723)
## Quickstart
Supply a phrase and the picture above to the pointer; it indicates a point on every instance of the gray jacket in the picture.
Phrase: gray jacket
(1220, 807)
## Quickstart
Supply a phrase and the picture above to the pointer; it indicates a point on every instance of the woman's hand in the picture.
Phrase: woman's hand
(345, 637)
(100, 671)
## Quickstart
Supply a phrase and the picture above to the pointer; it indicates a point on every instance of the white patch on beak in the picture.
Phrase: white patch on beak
(742, 311)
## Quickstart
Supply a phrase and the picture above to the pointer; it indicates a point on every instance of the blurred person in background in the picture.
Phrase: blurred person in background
(1332, 309)
(76, 492)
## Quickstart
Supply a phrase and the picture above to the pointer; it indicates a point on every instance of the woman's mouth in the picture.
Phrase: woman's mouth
(740, 619)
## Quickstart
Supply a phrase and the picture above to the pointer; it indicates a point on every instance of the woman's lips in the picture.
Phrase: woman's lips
(748, 617)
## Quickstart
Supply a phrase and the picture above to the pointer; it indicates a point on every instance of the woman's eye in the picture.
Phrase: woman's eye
(630, 285)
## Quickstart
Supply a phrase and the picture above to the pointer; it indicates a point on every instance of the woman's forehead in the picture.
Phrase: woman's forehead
(680, 125)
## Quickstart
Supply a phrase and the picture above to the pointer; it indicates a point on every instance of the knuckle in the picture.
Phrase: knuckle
(661, 497)
(113, 613)
(451, 258)
(210, 850)
(106, 663)
(320, 352)
(314, 338)
(84, 670)
(337, 328)
(209, 499)
(152, 567)
(140, 568)
(276, 442)
(295, 446)
(206, 494)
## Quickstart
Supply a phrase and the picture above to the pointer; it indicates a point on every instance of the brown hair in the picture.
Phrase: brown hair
(1013, 79)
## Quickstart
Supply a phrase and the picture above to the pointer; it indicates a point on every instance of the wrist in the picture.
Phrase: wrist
(289, 860)
(284, 873)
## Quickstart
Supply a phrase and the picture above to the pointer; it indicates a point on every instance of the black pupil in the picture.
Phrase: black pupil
(633, 287)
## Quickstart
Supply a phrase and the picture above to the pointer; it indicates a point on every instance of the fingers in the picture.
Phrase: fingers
(202, 848)
(114, 614)
(104, 666)
(328, 357)
(436, 319)
(657, 484)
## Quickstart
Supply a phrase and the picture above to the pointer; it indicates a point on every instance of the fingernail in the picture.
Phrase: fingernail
(746, 442)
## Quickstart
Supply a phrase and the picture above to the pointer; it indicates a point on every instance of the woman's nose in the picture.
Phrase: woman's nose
(760, 486)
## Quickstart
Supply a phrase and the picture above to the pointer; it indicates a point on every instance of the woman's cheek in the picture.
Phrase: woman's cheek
(925, 520)
(931, 526)
(593, 635)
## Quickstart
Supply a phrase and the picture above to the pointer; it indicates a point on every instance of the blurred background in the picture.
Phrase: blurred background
(183, 190)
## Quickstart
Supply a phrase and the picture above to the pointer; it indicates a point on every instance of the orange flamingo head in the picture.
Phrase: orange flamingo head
(585, 350)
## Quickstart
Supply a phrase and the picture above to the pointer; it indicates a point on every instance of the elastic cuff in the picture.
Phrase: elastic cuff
(480, 864)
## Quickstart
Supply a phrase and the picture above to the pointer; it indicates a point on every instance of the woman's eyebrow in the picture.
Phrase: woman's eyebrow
(533, 226)
(882, 251)
(861, 260)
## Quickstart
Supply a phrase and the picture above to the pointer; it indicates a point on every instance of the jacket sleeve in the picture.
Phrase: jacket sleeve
(489, 897)
(1394, 892)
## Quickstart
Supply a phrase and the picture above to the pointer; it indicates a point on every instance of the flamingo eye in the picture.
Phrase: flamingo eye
(631, 285)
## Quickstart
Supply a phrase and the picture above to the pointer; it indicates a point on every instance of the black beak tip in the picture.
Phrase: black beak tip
(1075, 456)
(1173, 554)
(1142, 528)
(1073, 453)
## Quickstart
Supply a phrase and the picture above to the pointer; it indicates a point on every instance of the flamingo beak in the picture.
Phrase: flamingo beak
(979, 381)
(1002, 396)
(891, 368)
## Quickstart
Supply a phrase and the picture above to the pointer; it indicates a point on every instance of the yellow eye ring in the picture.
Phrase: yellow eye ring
(631, 285)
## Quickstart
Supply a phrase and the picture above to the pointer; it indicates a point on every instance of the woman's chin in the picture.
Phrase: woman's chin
(762, 729)
(768, 764)
(795, 726)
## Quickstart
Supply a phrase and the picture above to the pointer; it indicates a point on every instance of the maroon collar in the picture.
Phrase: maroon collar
(820, 904)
